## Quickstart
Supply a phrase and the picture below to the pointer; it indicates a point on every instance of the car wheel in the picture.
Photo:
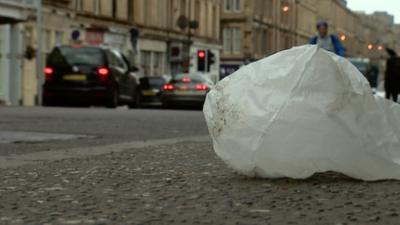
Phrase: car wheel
(50, 101)
(166, 105)
(47, 102)
(136, 102)
(112, 100)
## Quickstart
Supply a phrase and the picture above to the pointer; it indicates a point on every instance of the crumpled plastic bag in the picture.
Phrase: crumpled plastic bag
(303, 111)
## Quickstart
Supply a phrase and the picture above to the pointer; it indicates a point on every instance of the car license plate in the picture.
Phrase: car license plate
(149, 93)
(187, 92)
(75, 77)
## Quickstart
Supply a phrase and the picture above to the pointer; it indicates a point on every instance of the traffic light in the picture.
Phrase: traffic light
(210, 59)
(201, 60)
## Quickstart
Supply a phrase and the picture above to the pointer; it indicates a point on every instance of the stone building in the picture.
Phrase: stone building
(356, 30)
(168, 44)
(306, 18)
(384, 17)
(253, 29)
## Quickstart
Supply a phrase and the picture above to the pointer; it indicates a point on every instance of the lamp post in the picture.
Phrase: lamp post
(39, 72)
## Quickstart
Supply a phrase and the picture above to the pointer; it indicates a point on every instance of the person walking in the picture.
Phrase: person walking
(392, 75)
(329, 42)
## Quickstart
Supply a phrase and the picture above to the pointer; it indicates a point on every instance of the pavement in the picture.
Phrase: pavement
(160, 178)
(105, 126)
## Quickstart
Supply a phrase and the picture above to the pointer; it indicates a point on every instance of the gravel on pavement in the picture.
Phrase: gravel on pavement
(184, 183)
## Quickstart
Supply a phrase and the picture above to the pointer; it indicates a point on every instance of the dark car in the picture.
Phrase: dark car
(186, 89)
(89, 74)
(150, 91)
(369, 70)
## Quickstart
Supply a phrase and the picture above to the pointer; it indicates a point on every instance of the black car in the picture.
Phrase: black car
(90, 74)
(150, 91)
(369, 70)
(186, 89)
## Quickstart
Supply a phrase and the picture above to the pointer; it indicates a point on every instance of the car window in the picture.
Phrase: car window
(194, 78)
(152, 82)
(112, 59)
(119, 60)
(156, 82)
(76, 56)
(362, 66)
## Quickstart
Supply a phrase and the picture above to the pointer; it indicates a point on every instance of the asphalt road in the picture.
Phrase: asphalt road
(98, 126)
(96, 166)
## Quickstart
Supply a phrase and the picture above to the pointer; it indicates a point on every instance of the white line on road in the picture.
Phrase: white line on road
(31, 158)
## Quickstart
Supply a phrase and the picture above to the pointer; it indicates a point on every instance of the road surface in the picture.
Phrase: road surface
(103, 166)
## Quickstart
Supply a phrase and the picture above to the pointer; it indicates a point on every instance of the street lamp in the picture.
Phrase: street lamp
(343, 37)
(285, 8)
(380, 47)
(39, 64)
(370, 46)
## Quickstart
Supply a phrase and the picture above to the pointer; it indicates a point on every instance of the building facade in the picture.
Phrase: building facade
(11, 49)
(253, 29)
(165, 37)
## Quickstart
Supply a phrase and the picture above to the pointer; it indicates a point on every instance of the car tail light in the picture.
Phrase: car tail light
(48, 72)
(168, 87)
(201, 87)
(186, 80)
(103, 73)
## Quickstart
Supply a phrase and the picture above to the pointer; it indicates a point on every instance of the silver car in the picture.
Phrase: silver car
(186, 89)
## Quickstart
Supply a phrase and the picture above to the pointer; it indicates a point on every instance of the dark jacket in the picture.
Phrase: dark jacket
(339, 49)
(392, 77)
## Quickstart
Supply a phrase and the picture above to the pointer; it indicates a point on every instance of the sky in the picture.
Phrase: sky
(391, 6)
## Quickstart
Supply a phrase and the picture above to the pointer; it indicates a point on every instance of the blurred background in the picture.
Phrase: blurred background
(162, 38)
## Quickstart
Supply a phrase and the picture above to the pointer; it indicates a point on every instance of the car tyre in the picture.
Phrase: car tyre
(166, 105)
(47, 102)
(136, 102)
(112, 100)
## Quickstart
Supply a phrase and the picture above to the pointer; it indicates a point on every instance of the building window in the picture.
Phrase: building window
(270, 43)
(227, 40)
(46, 40)
(97, 8)
(237, 37)
(268, 5)
(214, 22)
(232, 40)
(183, 7)
(232, 5)
(146, 62)
(59, 39)
(152, 63)
(146, 13)
(77, 5)
(158, 63)
(197, 15)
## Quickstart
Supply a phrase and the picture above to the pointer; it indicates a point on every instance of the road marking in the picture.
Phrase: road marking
(7, 137)
(48, 156)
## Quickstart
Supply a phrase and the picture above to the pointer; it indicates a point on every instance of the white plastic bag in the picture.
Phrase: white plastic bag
(302, 111)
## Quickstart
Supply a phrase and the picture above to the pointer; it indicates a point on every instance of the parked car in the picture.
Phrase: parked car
(150, 91)
(89, 74)
(186, 89)
(369, 70)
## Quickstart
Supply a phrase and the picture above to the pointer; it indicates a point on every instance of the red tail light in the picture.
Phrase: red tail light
(48, 72)
(103, 73)
(201, 87)
(186, 80)
(168, 87)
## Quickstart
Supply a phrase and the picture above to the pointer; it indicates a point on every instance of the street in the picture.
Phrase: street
(157, 167)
